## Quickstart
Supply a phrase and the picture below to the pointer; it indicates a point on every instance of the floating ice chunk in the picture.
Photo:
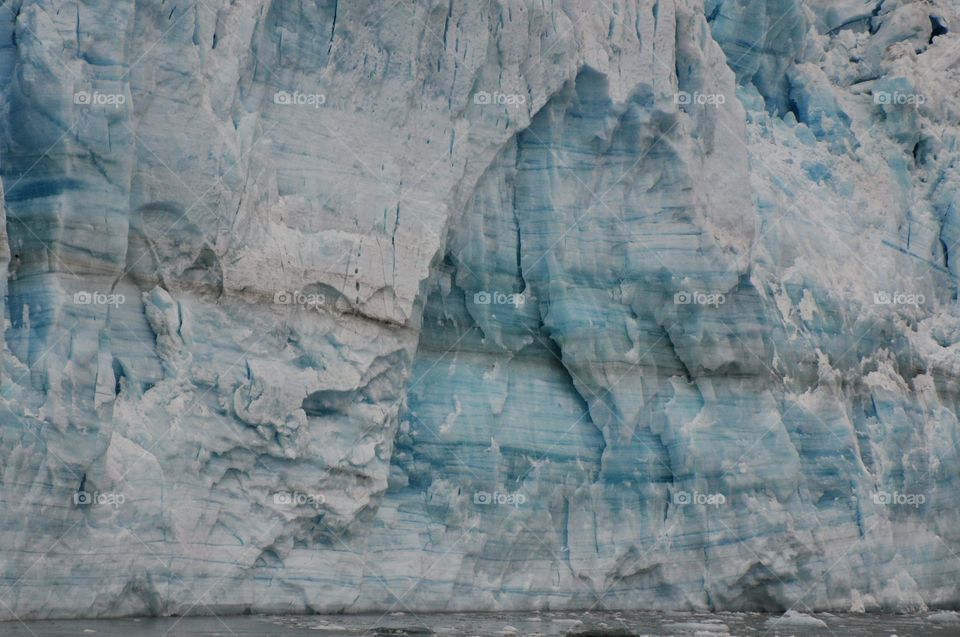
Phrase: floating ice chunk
(944, 617)
(796, 619)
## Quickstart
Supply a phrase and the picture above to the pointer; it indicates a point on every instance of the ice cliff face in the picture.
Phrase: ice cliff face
(344, 306)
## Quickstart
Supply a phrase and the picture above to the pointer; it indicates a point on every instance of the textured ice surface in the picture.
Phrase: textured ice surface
(446, 305)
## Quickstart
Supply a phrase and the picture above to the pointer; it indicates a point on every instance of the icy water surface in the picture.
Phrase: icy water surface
(553, 624)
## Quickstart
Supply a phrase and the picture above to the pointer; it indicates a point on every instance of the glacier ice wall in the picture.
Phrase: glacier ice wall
(346, 306)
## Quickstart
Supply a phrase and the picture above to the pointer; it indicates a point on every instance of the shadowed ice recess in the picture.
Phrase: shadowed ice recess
(455, 305)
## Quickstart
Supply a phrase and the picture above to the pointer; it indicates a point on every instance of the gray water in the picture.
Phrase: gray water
(547, 624)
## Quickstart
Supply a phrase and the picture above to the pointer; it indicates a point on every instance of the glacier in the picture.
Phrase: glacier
(453, 305)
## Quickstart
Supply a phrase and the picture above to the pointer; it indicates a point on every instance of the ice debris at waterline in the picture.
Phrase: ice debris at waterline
(545, 624)
(447, 305)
